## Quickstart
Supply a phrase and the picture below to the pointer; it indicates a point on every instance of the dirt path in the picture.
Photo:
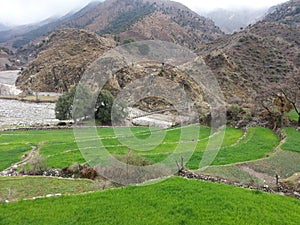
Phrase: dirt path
(28, 157)
(269, 180)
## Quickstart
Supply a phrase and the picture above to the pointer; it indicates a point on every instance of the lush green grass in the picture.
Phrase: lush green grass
(284, 163)
(16, 188)
(293, 115)
(258, 142)
(61, 150)
(292, 141)
(173, 201)
(254, 145)
(53, 142)
(12, 153)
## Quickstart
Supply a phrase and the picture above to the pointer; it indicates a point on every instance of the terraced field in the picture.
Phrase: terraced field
(61, 150)
(173, 201)
(250, 157)
(284, 161)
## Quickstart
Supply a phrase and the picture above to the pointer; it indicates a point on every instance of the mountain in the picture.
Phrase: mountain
(148, 19)
(4, 59)
(287, 13)
(137, 19)
(62, 59)
(3, 27)
(247, 63)
(233, 20)
(260, 58)
(8, 60)
(14, 37)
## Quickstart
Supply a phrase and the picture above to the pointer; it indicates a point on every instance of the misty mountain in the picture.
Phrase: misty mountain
(12, 35)
(125, 19)
(3, 27)
(233, 20)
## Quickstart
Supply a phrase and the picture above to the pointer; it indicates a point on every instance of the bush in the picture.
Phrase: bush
(38, 163)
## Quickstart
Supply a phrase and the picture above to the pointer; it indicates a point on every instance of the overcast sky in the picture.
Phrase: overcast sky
(16, 12)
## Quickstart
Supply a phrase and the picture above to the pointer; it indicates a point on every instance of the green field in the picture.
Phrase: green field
(292, 142)
(256, 144)
(293, 115)
(61, 150)
(173, 201)
(17, 188)
(285, 162)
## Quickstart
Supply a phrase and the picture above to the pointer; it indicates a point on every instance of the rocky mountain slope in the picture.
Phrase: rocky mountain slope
(4, 60)
(246, 63)
(288, 13)
(149, 19)
(122, 20)
(257, 59)
(8, 60)
(62, 59)
(137, 19)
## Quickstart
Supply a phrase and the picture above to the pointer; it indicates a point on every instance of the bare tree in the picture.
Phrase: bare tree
(291, 91)
(275, 105)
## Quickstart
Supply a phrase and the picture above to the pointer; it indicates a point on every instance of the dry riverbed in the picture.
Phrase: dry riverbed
(15, 113)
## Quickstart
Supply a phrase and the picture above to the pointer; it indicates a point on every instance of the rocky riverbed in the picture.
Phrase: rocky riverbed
(16, 113)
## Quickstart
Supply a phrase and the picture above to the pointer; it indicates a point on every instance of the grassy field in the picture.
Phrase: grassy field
(173, 201)
(284, 162)
(256, 144)
(293, 115)
(293, 140)
(17, 188)
(11, 153)
(61, 150)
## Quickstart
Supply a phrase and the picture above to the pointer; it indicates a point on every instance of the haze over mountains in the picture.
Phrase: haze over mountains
(236, 19)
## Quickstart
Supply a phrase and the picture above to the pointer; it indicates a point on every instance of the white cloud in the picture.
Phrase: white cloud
(14, 12)
(29, 11)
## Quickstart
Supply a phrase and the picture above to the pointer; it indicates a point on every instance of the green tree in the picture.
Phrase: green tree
(82, 106)
(103, 107)
(63, 107)
(77, 104)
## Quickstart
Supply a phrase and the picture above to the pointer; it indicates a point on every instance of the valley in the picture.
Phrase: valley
(146, 112)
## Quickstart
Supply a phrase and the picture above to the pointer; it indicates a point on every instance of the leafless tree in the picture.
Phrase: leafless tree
(291, 91)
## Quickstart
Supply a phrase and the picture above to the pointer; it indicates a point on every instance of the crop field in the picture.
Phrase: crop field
(60, 148)
(292, 142)
(285, 162)
(172, 201)
(18, 188)
(293, 115)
